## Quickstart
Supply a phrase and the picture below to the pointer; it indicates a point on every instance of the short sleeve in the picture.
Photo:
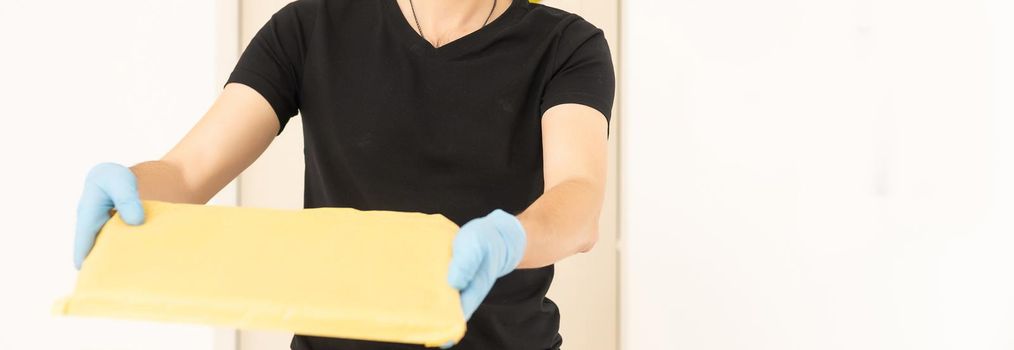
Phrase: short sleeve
(272, 64)
(585, 72)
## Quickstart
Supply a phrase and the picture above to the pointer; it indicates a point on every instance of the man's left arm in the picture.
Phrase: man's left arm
(560, 223)
(564, 220)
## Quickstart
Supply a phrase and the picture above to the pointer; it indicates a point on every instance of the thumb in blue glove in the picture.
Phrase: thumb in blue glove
(485, 249)
(108, 186)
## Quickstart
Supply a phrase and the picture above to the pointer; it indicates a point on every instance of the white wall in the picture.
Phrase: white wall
(817, 174)
(83, 82)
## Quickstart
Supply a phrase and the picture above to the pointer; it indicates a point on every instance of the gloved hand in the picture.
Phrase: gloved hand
(485, 249)
(107, 186)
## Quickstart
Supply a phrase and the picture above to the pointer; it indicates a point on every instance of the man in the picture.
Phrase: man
(492, 113)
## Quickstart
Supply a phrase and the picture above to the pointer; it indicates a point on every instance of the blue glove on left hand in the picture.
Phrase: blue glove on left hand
(485, 249)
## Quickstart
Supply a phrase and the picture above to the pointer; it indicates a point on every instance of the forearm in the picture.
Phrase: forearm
(562, 222)
(163, 181)
(236, 130)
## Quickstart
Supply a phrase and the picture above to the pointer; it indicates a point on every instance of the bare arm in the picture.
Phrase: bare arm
(564, 220)
(237, 128)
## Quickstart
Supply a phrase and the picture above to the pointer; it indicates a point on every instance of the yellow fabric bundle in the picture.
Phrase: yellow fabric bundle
(332, 272)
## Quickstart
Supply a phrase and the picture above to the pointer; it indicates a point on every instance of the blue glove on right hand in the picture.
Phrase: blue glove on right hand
(108, 186)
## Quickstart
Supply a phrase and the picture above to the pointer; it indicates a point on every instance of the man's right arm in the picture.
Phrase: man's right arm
(229, 137)
(232, 134)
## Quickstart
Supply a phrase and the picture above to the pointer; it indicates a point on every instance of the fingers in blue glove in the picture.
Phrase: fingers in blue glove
(108, 186)
(467, 256)
(484, 250)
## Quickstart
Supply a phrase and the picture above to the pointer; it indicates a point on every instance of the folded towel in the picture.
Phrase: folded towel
(331, 272)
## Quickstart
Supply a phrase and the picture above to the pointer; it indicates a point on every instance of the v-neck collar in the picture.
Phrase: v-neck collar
(417, 43)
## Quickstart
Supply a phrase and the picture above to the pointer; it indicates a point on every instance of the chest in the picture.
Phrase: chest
(379, 94)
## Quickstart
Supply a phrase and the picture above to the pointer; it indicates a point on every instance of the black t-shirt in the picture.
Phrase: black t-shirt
(392, 123)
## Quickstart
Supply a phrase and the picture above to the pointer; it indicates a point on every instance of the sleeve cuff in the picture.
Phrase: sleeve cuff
(283, 108)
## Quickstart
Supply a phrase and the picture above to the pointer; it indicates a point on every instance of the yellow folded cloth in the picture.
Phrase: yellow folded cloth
(331, 272)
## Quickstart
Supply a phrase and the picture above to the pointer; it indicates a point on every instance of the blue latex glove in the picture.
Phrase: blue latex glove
(485, 249)
(108, 186)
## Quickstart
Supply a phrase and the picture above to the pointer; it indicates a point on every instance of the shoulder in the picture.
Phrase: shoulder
(310, 14)
(343, 12)
(560, 23)
(567, 37)
(313, 8)
(302, 8)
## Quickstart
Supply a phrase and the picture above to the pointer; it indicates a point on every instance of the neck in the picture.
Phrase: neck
(452, 11)
(446, 20)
